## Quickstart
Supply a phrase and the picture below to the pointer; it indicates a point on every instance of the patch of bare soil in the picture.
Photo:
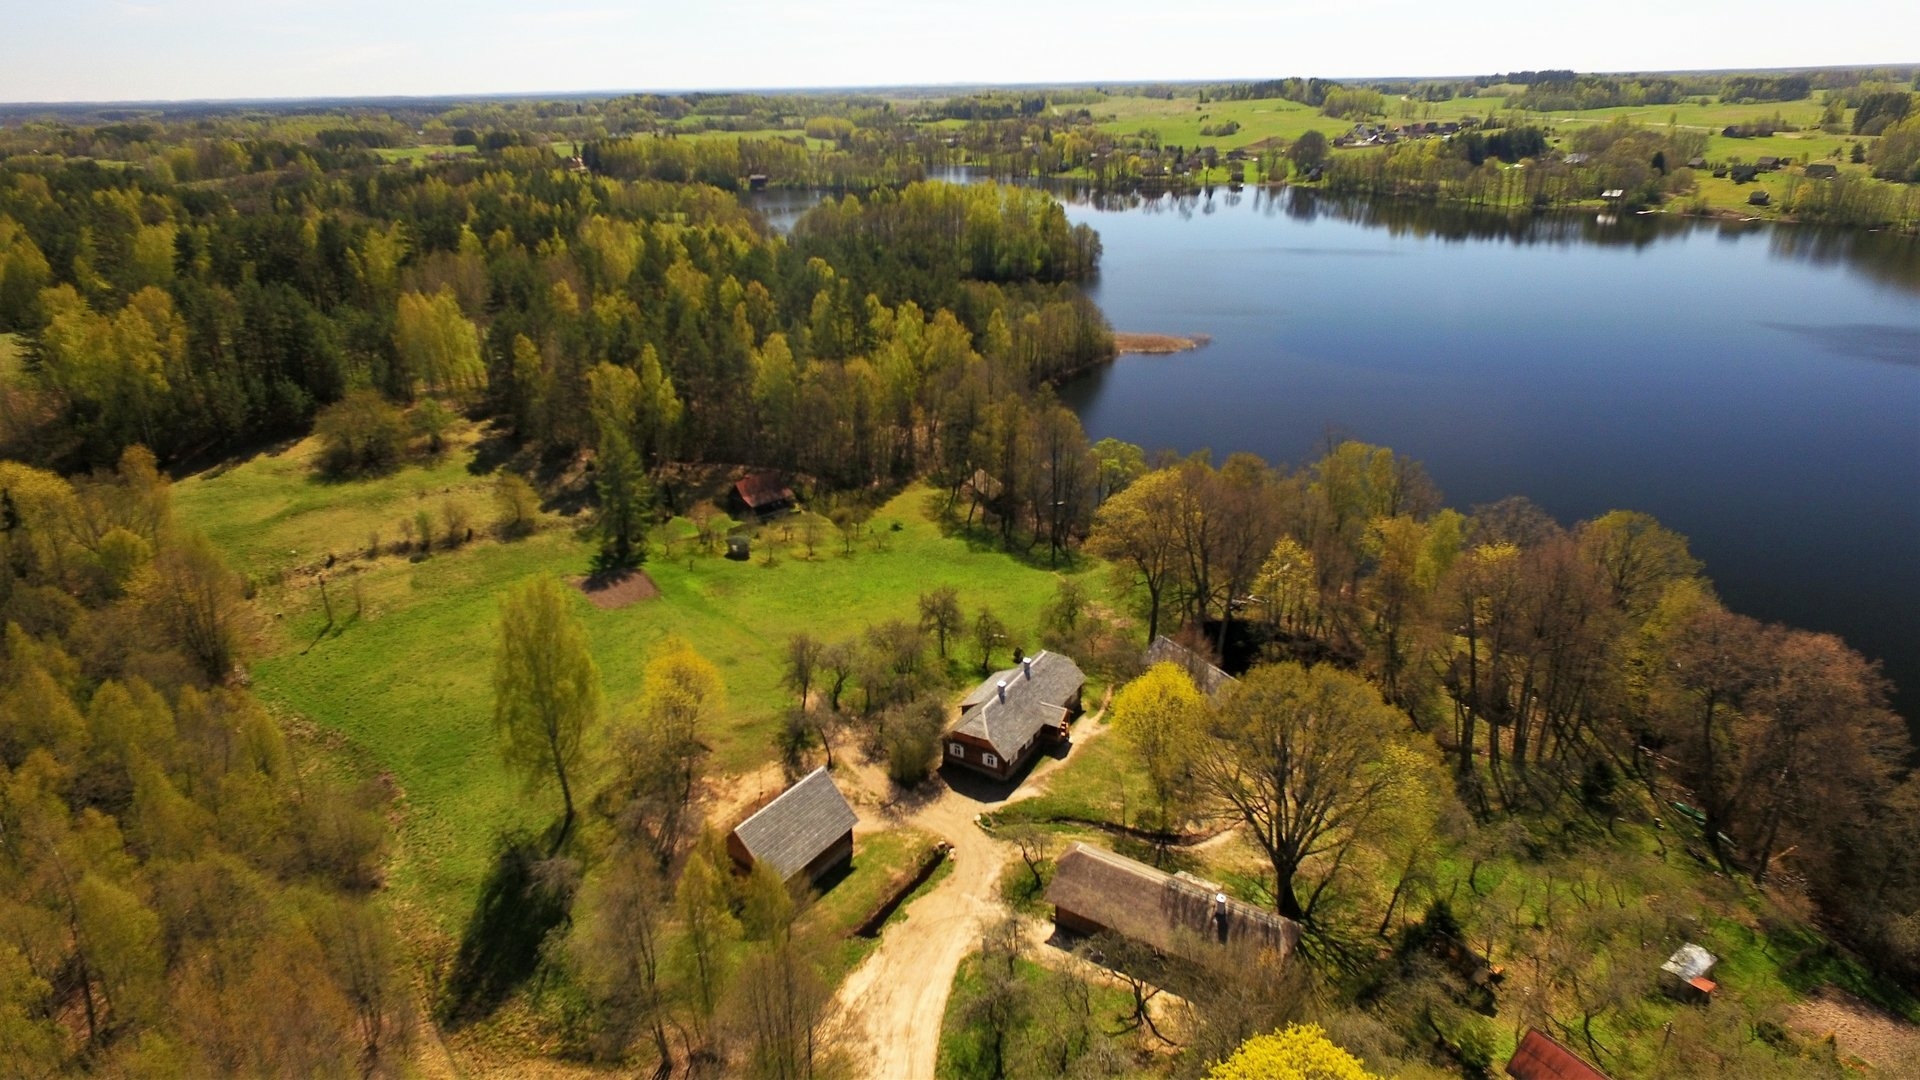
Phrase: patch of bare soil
(617, 589)
(1158, 344)
(1886, 1042)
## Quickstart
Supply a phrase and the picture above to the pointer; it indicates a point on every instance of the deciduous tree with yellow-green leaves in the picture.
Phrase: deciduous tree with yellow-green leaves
(546, 690)
(1295, 1052)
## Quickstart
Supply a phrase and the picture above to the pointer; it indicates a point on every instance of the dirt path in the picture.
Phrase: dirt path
(894, 1002)
(1889, 1044)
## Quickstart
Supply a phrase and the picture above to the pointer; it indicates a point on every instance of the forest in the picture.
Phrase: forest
(1453, 691)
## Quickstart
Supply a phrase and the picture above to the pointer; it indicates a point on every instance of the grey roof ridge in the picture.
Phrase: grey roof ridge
(796, 786)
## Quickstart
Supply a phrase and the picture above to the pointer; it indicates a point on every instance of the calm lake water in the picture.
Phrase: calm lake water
(1756, 388)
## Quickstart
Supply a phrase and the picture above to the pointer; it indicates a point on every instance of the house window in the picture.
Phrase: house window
(990, 761)
(954, 749)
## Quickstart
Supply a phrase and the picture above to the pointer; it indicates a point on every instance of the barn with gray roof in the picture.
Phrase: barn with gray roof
(1014, 713)
(807, 829)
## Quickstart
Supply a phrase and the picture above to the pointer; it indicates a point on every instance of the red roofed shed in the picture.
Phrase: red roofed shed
(762, 494)
(1539, 1057)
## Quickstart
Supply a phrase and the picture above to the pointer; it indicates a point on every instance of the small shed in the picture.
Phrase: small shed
(1696, 163)
(1614, 194)
(1541, 1057)
(1096, 891)
(757, 182)
(1685, 973)
(739, 549)
(1758, 198)
(1820, 170)
(762, 495)
(1766, 163)
(807, 829)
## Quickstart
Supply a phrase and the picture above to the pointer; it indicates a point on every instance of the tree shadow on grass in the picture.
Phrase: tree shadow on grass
(520, 902)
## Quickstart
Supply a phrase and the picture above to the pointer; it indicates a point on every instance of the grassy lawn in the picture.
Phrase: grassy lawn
(965, 1051)
(1179, 121)
(404, 675)
(879, 859)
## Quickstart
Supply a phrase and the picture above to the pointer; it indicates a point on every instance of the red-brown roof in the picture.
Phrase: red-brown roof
(1539, 1057)
(762, 489)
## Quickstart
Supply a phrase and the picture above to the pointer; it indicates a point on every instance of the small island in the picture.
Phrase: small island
(1158, 344)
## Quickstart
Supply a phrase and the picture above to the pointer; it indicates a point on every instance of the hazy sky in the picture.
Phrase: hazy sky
(95, 50)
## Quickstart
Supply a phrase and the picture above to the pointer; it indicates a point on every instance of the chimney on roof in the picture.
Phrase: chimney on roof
(1027, 666)
(1003, 691)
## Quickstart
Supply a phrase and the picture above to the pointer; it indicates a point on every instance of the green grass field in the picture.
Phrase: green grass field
(417, 154)
(9, 357)
(1179, 121)
(404, 675)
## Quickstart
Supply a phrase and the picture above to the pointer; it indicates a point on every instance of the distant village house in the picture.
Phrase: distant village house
(807, 830)
(1014, 713)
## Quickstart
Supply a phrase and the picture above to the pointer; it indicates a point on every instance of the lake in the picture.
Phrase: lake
(1756, 388)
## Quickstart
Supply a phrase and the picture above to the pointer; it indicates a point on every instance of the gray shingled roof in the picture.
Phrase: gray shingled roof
(792, 830)
(1208, 679)
(1174, 914)
(1036, 698)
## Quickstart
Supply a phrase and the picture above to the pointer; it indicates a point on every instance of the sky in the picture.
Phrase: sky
(126, 50)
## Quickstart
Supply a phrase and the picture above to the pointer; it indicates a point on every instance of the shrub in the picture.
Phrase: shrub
(359, 433)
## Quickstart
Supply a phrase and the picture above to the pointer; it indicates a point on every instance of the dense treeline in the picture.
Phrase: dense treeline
(169, 869)
(1558, 669)
(194, 321)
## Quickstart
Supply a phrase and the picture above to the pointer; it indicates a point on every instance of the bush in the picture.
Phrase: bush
(359, 433)
(910, 741)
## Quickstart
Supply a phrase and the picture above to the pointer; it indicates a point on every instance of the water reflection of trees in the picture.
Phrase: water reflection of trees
(1884, 257)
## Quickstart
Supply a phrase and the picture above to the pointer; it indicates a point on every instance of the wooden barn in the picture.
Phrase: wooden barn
(1013, 713)
(1178, 915)
(761, 495)
(1540, 1057)
(807, 830)
(1207, 678)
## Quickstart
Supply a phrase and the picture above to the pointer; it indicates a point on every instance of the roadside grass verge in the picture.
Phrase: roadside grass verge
(1045, 1037)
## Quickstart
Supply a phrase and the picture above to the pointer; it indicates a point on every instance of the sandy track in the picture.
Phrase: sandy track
(1889, 1044)
(894, 1002)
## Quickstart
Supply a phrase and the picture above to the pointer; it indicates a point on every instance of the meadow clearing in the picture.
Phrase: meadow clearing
(399, 683)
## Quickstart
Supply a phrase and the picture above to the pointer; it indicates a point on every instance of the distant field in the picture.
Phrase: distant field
(1179, 121)
(432, 733)
(420, 153)
(9, 357)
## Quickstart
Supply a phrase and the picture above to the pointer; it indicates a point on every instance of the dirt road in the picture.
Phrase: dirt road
(894, 1002)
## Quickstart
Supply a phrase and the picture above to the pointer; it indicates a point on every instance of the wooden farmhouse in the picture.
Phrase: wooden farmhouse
(1014, 713)
(1820, 170)
(761, 495)
(1095, 891)
(1540, 1057)
(807, 830)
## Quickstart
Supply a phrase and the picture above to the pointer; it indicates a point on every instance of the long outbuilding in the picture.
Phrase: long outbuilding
(1095, 891)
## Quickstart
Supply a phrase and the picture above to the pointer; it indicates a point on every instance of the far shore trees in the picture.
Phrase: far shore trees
(546, 690)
